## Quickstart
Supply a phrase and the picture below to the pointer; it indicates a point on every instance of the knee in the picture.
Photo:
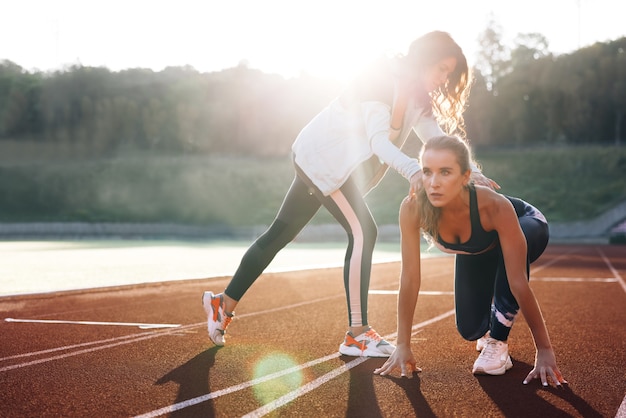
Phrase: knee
(368, 233)
(537, 236)
(369, 238)
(371, 232)
(472, 332)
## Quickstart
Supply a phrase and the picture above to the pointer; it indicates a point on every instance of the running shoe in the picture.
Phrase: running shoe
(494, 358)
(218, 319)
(482, 342)
(367, 344)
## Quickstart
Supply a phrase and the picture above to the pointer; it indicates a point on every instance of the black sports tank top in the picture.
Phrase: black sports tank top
(479, 240)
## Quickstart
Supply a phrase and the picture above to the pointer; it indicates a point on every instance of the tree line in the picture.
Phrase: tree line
(521, 96)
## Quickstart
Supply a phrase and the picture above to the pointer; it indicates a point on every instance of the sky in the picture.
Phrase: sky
(325, 38)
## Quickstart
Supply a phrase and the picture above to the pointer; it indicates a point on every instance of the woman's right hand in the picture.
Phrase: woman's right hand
(402, 358)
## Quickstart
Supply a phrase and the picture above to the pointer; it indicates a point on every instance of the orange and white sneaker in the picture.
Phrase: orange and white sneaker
(218, 319)
(367, 344)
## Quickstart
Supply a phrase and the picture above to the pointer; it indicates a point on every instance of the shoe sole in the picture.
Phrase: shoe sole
(495, 372)
(208, 309)
(355, 352)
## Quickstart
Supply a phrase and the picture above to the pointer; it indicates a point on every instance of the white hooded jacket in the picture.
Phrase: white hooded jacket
(340, 138)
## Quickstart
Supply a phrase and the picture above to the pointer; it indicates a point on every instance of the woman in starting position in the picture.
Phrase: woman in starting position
(495, 238)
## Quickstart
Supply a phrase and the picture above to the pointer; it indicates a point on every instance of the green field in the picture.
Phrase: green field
(567, 184)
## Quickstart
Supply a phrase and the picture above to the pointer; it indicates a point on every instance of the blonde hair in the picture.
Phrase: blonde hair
(429, 215)
(449, 101)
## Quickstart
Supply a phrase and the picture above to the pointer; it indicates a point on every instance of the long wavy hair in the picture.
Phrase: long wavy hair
(429, 215)
(449, 101)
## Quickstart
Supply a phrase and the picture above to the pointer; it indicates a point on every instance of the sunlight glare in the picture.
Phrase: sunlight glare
(323, 38)
(268, 391)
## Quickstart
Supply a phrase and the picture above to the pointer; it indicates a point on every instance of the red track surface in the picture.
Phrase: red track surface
(298, 319)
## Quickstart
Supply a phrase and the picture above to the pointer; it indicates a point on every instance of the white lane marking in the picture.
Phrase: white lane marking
(422, 292)
(574, 279)
(285, 399)
(549, 263)
(534, 279)
(235, 388)
(70, 347)
(121, 324)
(616, 274)
(114, 342)
(294, 394)
(621, 412)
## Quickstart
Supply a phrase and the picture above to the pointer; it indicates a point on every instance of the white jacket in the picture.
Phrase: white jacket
(340, 138)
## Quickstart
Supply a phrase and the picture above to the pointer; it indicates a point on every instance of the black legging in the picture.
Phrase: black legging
(483, 298)
(302, 201)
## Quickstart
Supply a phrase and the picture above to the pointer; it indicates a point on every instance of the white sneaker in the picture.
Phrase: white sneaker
(367, 344)
(482, 342)
(494, 358)
(217, 319)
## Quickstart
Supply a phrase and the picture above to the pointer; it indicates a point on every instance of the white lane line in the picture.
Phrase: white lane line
(294, 394)
(621, 412)
(71, 347)
(128, 339)
(120, 324)
(90, 350)
(235, 388)
(616, 274)
(575, 279)
(422, 292)
(549, 263)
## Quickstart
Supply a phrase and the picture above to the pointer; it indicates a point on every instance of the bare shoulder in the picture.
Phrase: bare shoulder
(489, 198)
(492, 206)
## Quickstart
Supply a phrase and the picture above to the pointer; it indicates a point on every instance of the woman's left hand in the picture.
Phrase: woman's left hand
(415, 183)
(545, 367)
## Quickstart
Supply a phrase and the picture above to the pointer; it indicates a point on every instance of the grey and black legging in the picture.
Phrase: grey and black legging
(483, 298)
(303, 200)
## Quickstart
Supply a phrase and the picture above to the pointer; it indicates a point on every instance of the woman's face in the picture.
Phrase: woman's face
(437, 75)
(442, 178)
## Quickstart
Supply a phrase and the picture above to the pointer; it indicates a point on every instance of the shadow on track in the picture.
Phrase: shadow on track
(362, 398)
(193, 381)
(518, 400)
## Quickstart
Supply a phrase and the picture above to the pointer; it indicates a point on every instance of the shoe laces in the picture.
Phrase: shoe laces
(491, 349)
(227, 320)
(373, 335)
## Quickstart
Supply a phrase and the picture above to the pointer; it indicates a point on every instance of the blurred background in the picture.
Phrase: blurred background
(174, 120)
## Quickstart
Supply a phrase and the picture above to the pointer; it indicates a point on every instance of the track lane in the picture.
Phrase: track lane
(149, 373)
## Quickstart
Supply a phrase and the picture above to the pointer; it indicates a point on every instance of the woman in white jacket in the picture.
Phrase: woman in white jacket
(341, 155)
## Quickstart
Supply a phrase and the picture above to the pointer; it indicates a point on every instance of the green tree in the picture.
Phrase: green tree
(492, 60)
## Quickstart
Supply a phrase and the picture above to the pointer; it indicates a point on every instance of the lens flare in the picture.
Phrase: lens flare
(272, 389)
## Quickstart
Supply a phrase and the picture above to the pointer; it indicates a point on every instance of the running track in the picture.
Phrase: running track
(143, 350)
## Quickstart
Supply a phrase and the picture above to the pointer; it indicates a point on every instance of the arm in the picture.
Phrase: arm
(514, 250)
(410, 280)
(377, 129)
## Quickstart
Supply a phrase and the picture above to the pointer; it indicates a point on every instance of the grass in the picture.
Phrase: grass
(567, 184)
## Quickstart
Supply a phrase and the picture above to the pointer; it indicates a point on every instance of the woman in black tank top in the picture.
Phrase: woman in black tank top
(495, 238)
